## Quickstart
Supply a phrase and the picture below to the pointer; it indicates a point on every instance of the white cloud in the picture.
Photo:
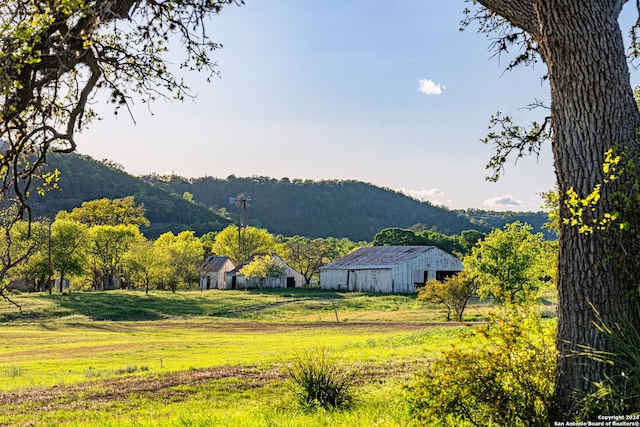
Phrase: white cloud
(421, 194)
(502, 202)
(428, 87)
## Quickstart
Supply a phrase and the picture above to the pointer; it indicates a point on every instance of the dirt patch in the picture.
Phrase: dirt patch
(114, 389)
(169, 387)
(273, 327)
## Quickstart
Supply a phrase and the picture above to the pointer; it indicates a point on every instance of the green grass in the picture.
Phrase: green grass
(97, 357)
(309, 305)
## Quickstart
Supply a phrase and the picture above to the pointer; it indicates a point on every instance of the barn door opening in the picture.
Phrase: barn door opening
(443, 274)
(291, 282)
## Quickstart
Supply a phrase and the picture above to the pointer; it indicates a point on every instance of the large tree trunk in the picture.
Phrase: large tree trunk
(592, 111)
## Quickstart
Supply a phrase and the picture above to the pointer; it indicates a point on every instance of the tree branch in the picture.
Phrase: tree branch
(3, 295)
(520, 13)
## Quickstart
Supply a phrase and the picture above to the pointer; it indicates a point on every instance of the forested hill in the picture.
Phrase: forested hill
(83, 178)
(352, 209)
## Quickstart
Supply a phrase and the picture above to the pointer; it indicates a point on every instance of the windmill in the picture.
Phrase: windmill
(242, 202)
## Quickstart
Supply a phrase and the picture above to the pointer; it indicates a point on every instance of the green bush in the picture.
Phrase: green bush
(619, 392)
(318, 381)
(503, 377)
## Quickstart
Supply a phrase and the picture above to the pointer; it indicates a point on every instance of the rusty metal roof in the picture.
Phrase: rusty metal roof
(377, 257)
(213, 263)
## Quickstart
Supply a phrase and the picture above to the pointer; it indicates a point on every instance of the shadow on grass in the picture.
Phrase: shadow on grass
(133, 305)
(298, 293)
(130, 306)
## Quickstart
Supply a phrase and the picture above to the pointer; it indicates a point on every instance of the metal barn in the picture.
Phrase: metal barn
(213, 271)
(290, 278)
(388, 269)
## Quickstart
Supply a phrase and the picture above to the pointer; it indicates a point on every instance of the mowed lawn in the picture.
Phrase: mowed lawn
(208, 358)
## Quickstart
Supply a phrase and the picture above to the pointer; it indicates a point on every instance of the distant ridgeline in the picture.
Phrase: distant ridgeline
(351, 209)
(83, 178)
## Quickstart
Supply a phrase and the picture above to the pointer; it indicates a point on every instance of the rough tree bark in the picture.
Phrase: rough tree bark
(592, 111)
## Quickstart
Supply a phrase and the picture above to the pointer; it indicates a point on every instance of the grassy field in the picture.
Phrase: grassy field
(123, 358)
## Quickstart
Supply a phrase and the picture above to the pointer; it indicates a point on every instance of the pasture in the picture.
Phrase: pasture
(123, 358)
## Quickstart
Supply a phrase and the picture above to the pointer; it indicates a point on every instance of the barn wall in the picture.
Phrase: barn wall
(442, 261)
(402, 278)
(333, 279)
(290, 272)
(359, 280)
(243, 282)
(217, 277)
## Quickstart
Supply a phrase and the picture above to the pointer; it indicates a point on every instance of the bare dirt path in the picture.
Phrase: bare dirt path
(113, 389)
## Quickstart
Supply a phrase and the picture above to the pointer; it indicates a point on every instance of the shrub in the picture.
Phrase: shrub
(619, 392)
(318, 381)
(503, 377)
(453, 292)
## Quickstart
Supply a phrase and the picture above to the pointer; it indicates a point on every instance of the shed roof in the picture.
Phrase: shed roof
(214, 263)
(377, 257)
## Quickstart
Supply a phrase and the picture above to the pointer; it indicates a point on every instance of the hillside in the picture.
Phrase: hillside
(83, 178)
(330, 208)
(352, 209)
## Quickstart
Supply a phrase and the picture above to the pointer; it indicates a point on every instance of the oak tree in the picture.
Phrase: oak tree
(55, 55)
(509, 264)
(592, 112)
(239, 243)
(183, 254)
(105, 211)
(453, 292)
(263, 267)
(107, 245)
(144, 264)
(67, 248)
(19, 241)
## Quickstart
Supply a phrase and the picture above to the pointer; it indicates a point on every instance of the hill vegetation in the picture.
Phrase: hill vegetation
(82, 179)
(329, 208)
(351, 209)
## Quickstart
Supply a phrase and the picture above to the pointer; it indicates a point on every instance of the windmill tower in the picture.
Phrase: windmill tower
(242, 202)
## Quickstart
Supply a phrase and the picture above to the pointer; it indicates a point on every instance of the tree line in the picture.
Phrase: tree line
(99, 245)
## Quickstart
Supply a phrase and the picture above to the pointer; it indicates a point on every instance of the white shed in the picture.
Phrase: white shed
(289, 278)
(213, 270)
(388, 269)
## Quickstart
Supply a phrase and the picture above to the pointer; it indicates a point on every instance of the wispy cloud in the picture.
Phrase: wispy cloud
(421, 194)
(505, 201)
(428, 87)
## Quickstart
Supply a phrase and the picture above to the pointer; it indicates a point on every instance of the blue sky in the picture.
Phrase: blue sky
(312, 90)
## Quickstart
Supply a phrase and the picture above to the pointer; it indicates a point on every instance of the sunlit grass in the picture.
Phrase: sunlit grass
(225, 403)
(45, 355)
(88, 339)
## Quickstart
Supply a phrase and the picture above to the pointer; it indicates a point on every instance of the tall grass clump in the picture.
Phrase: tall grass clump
(318, 381)
(502, 376)
(619, 392)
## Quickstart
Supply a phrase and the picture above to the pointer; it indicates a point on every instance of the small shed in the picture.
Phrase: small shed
(289, 278)
(388, 269)
(213, 271)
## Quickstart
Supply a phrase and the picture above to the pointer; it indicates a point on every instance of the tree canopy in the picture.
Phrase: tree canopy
(509, 264)
(104, 211)
(56, 55)
(239, 243)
